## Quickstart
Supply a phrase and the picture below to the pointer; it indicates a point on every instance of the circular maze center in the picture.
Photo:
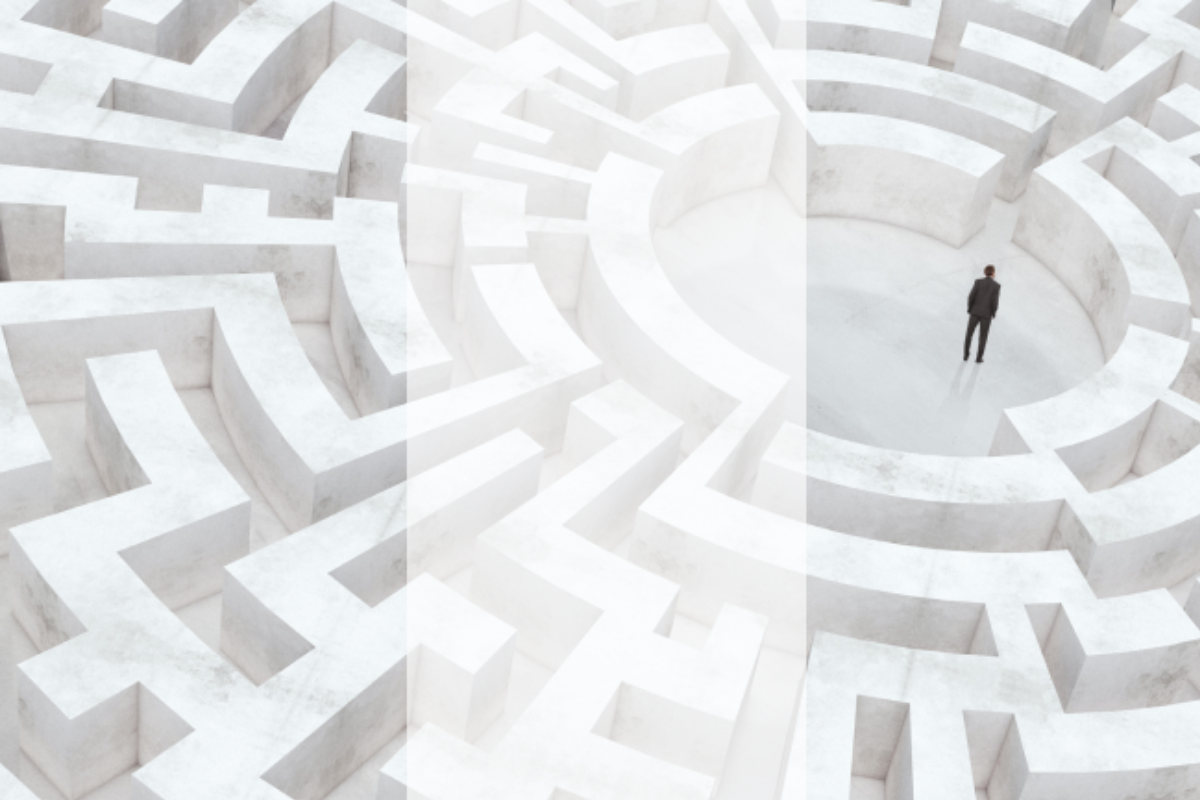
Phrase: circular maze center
(887, 315)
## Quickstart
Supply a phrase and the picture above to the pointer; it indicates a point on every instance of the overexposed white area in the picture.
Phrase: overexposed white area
(739, 262)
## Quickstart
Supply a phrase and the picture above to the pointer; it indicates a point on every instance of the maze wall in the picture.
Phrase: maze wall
(1023, 625)
(354, 443)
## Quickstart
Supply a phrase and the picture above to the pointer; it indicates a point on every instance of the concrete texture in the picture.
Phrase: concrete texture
(886, 318)
(312, 472)
(534, 400)
(1053, 557)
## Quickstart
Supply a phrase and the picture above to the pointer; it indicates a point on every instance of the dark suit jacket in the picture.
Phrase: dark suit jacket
(984, 298)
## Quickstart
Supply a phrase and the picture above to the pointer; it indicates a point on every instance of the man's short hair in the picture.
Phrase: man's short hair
(989, 270)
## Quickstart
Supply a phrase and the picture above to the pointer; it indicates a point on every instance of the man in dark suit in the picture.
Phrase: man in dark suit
(981, 305)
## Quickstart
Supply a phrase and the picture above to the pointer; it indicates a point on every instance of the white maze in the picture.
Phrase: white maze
(1021, 625)
(385, 413)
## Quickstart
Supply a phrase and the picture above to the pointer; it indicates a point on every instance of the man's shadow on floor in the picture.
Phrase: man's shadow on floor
(956, 406)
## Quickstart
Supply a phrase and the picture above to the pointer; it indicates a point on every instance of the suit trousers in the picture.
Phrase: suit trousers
(984, 322)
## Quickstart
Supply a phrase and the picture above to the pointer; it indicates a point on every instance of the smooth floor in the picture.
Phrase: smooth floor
(886, 316)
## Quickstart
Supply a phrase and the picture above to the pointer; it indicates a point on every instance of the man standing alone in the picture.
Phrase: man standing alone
(981, 305)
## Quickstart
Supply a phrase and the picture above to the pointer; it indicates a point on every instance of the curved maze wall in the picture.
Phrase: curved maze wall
(354, 443)
(1022, 625)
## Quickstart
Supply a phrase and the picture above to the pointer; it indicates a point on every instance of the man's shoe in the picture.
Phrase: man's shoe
(979, 361)
(966, 356)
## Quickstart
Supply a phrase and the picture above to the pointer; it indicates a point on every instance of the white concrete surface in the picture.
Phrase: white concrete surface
(294, 384)
(542, 400)
(886, 319)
